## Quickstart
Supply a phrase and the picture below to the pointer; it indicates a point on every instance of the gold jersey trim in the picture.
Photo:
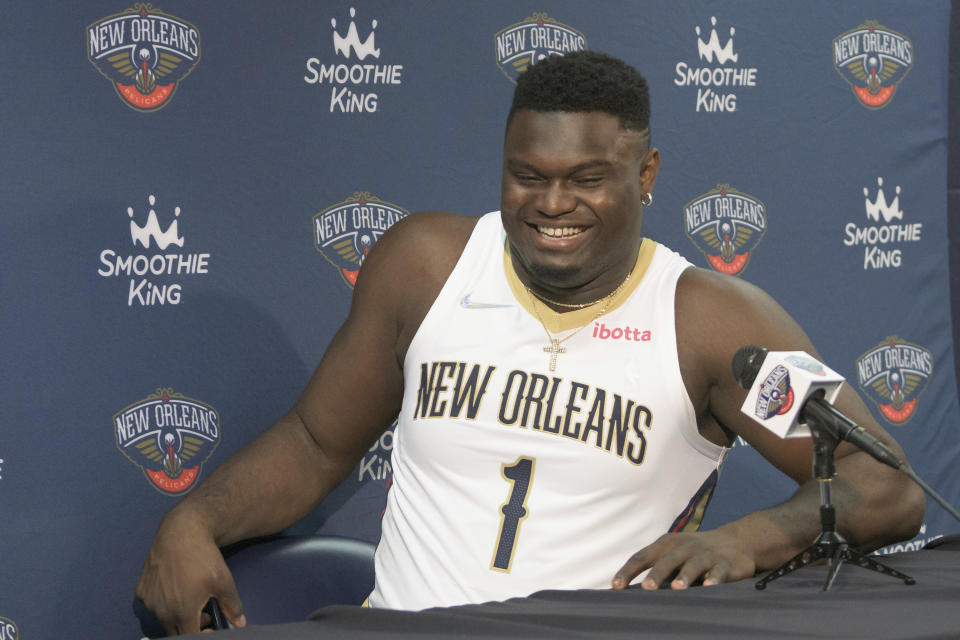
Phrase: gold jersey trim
(556, 321)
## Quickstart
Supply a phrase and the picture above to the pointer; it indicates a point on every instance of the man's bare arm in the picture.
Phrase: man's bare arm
(353, 395)
(876, 505)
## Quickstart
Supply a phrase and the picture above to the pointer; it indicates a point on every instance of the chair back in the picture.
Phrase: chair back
(286, 579)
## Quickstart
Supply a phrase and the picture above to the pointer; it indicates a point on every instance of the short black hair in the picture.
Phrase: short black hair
(585, 81)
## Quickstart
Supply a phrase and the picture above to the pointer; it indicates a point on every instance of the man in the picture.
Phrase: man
(563, 386)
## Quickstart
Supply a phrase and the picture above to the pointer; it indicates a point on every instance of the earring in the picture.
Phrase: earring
(647, 199)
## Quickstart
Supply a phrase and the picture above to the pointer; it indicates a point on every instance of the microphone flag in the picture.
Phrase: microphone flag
(783, 383)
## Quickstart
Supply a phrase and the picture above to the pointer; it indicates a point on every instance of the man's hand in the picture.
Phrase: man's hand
(182, 571)
(713, 556)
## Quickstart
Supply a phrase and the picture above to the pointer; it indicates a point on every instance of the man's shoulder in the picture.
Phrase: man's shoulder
(428, 242)
(411, 261)
(719, 313)
(407, 268)
(436, 226)
(707, 290)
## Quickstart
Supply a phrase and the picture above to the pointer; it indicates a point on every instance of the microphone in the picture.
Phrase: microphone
(789, 389)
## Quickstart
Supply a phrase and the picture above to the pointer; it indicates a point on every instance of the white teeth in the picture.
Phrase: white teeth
(562, 232)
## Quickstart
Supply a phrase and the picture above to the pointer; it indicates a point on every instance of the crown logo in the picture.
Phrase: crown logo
(343, 44)
(711, 48)
(879, 207)
(152, 229)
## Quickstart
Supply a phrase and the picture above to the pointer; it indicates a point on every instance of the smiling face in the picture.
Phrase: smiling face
(570, 200)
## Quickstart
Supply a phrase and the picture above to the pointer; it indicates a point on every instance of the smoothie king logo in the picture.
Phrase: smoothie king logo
(893, 374)
(144, 53)
(144, 270)
(873, 60)
(350, 81)
(726, 225)
(535, 38)
(169, 436)
(344, 233)
(715, 81)
(879, 240)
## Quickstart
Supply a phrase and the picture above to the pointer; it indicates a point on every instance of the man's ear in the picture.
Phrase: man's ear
(648, 175)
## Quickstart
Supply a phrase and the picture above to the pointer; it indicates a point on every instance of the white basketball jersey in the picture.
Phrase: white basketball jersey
(508, 477)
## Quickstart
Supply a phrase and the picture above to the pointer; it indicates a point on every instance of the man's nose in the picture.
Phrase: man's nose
(556, 199)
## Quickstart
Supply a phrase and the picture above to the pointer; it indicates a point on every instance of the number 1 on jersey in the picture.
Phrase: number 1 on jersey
(513, 511)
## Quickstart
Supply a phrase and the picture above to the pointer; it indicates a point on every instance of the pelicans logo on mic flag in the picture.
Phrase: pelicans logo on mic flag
(535, 38)
(344, 233)
(726, 225)
(775, 396)
(782, 385)
(893, 374)
(169, 436)
(144, 53)
(873, 60)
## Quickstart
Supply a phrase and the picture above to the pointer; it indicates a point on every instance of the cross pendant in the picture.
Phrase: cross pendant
(554, 350)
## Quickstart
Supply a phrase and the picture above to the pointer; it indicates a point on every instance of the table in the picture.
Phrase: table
(862, 604)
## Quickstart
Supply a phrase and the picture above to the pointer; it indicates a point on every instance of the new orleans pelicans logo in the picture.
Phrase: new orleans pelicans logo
(726, 225)
(345, 232)
(893, 374)
(873, 60)
(776, 394)
(535, 38)
(145, 53)
(169, 436)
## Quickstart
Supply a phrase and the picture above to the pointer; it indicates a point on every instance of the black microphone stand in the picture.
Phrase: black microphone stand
(830, 544)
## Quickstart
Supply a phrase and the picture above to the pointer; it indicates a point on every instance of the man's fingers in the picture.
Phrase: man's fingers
(682, 561)
(730, 569)
(189, 623)
(229, 601)
(640, 562)
(627, 572)
(175, 618)
(719, 573)
(685, 559)
(663, 570)
(696, 567)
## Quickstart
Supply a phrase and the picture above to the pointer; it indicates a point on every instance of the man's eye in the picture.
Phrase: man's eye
(589, 180)
(527, 177)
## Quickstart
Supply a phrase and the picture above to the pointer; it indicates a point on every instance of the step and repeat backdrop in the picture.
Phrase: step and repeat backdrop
(189, 189)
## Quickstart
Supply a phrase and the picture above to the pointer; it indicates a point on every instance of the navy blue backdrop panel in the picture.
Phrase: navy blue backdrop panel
(189, 188)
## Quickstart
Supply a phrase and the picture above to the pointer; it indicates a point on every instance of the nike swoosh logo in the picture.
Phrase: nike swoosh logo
(467, 303)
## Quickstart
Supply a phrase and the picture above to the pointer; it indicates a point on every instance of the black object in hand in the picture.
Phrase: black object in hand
(217, 619)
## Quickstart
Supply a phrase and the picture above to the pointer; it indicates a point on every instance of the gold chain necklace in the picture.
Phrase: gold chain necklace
(580, 305)
(555, 348)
